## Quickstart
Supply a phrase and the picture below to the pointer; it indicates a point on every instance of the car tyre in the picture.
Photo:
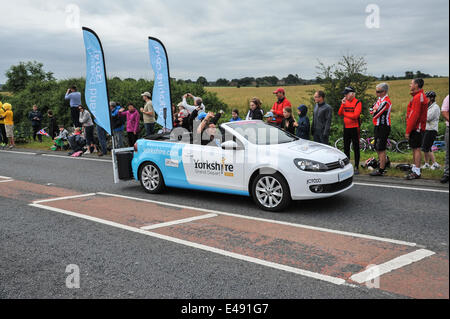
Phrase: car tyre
(271, 192)
(151, 178)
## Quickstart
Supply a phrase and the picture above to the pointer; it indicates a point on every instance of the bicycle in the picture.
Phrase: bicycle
(366, 142)
(438, 145)
(339, 144)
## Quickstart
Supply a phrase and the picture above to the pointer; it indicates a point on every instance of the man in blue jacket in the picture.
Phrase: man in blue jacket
(35, 117)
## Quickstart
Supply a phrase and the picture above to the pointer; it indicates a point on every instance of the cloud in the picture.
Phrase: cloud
(228, 39)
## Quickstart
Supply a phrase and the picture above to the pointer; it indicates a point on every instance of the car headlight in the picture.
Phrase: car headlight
(309, 165)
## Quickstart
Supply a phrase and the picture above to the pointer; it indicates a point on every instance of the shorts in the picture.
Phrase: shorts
(428, 140)
(9, 130)
(381, 137)
(89, 131)
(415, 139)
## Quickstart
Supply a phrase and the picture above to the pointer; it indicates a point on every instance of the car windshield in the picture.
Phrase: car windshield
(260, 133)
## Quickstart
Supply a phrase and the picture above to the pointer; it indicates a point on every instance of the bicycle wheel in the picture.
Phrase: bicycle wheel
(403, 147)
(363, 146)
(391, 145)
(339, 144)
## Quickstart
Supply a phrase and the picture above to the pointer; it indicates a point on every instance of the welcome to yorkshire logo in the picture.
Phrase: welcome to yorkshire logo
(214, 168)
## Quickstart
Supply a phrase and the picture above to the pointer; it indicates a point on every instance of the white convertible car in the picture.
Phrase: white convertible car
(249, 158)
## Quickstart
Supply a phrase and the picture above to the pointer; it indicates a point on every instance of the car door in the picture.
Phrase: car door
(214, 168)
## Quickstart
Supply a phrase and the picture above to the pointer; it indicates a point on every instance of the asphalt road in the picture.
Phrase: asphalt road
(36, 245)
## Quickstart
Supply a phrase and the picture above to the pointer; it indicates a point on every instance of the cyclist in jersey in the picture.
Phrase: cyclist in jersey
(416, 121)
(351, 110)
(381, 114)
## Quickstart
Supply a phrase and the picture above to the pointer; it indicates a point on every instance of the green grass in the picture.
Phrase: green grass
(46, 144)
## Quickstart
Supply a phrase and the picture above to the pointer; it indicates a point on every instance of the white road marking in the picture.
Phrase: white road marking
(402, 187)
(8, 180)
(391, 265)
(306, 273)
(80, 158)
(5, 177)
(62, 198)
(26, 153)
(179, 221)
(393, 241)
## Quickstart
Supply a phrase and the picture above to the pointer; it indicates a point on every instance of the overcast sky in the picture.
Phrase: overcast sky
(227, 38)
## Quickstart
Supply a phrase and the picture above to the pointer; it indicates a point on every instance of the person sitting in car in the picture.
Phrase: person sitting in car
(208, 128)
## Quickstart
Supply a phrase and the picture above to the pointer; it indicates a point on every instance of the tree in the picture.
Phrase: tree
(202, 81)
(409, 75)
(349, 71)
(23, 73)
(222, 82)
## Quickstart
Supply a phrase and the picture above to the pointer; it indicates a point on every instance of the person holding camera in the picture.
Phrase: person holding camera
(74, 98)
(198, 103)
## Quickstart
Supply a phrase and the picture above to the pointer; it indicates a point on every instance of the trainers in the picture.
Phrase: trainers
(412, 176)
(87, 152)
(435, 166)
(425, 166)
(356, 172)
(444, 179)
(377, 172)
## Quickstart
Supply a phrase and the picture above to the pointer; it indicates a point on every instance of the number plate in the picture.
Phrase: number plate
(345, 175)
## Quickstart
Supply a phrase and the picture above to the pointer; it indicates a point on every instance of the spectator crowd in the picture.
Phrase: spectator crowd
(422, 119)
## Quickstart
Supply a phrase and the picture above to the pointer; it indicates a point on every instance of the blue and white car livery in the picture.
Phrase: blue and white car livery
(249, 158)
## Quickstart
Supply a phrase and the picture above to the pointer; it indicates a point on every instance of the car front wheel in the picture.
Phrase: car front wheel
(271, 192)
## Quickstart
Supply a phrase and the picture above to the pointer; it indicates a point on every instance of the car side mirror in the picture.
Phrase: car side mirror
(230, 145)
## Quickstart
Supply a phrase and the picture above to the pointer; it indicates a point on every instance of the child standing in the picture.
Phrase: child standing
(288, 123)
(235, 116)
(303, 122)
(9, 123)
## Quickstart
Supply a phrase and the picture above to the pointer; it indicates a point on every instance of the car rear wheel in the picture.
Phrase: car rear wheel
(271, 192)
(151, 178)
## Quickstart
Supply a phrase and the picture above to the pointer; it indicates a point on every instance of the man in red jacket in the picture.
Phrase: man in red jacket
(416, 121)
(278, 107)
(351, 110)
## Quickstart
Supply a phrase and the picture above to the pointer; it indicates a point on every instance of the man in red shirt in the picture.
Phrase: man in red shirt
(351, 110)
(416, 121)
(278, 107)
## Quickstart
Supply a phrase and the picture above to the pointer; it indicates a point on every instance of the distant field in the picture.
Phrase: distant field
(399, 93)
(5, 93)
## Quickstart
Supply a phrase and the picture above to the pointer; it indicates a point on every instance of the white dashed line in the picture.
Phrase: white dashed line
(396, 263)
(179, 221)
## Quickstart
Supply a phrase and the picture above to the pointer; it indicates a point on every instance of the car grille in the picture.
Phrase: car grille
(332, 188)
(336, 165)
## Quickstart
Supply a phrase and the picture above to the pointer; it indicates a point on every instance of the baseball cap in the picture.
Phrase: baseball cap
(201, 115)
(279, 90)
(348, 89)
(147, 94)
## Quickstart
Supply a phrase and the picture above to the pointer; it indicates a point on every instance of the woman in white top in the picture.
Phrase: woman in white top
(431, 131)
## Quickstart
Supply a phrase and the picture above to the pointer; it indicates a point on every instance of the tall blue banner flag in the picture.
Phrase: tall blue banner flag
(96, 92)
(161, 98)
